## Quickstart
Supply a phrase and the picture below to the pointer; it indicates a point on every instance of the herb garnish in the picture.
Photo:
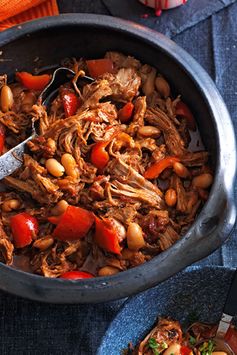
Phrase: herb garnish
(164, 345)
(192, 340)
(152, 343)
(207, 347)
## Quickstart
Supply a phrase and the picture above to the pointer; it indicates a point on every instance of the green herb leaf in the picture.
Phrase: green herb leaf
(192, 340)
(207, 347)
(152, 343)
(164, 345)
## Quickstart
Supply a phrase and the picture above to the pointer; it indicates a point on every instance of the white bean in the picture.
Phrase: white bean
(6, 98)
(108, 271)
(149, 131)
(54, 167)
(202, 181)
(69, 164)
(180, 170)
(60, 208)
(43, 243)
(10, 205)
(135, 238)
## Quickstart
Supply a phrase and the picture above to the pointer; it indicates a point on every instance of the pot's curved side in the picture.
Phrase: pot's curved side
(216, 219)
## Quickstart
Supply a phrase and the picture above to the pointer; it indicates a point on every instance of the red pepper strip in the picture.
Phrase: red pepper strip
(54, 219)
(2, 138)
(156, 169)
(98, 67)
(183, 110)
(23, 227)
(231, 338)
(106, 235)
(76, 275)
(33, 82)
(74, 224)
(71, 103)
(125, 113)
(186, 351)
(99, 156)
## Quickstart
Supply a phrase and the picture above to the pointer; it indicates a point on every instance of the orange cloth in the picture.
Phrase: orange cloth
(14, 12)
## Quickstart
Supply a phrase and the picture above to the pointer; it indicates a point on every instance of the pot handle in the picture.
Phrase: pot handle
(214, 225)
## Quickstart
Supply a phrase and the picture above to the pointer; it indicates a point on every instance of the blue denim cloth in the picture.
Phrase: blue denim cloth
(171, 22)
(28, 327)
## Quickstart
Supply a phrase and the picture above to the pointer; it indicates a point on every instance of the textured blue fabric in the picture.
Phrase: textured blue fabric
(33, 328)
(171, 22)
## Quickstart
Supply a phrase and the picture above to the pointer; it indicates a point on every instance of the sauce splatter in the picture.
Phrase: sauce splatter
(158, 7)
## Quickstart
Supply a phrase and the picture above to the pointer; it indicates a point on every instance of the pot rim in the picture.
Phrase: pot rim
(150, 273)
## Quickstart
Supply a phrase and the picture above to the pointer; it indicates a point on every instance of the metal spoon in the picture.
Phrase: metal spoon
(12, 160)
(230, 310)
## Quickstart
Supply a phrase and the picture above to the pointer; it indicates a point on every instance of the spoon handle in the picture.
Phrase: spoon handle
(231, 302)
(12, 160)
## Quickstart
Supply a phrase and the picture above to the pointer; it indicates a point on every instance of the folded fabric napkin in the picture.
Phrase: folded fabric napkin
(13, 12)
(171, 22)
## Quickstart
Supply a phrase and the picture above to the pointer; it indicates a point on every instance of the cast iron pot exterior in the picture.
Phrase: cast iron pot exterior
(45, 42)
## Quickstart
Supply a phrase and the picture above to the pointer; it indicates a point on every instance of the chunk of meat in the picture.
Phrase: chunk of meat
(154, 224)
(17, 123)
(122, 61)
(182, 198)
(34, 190)
(126, 214)
(168, 238)
(138, 117)
(6, 247)
(124, 85)
(173, 140)
(195, 159)
(129, 182)
(94, 92)
(40, 114)
(144, 196)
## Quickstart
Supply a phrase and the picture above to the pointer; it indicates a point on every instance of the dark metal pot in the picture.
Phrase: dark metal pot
(50, 40)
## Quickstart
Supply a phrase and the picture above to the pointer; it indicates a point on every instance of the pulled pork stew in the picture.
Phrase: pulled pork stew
(168, 338)
(109, 182)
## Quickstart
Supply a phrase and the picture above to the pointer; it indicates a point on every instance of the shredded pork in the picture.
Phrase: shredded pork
(117, 142)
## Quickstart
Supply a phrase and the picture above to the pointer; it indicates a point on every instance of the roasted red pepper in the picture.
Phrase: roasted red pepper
(54, 219)
(125, 113)
(156, 169)
(185, 350)
(98, 67)
(183, 110)
(24, 228)
(71, 102)
(99, 156)
(33, 82)
(106, 235)
(2, 138)
(74, 224)
(76, 275)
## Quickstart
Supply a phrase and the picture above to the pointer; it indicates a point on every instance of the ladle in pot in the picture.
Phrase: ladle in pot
(12, 160)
